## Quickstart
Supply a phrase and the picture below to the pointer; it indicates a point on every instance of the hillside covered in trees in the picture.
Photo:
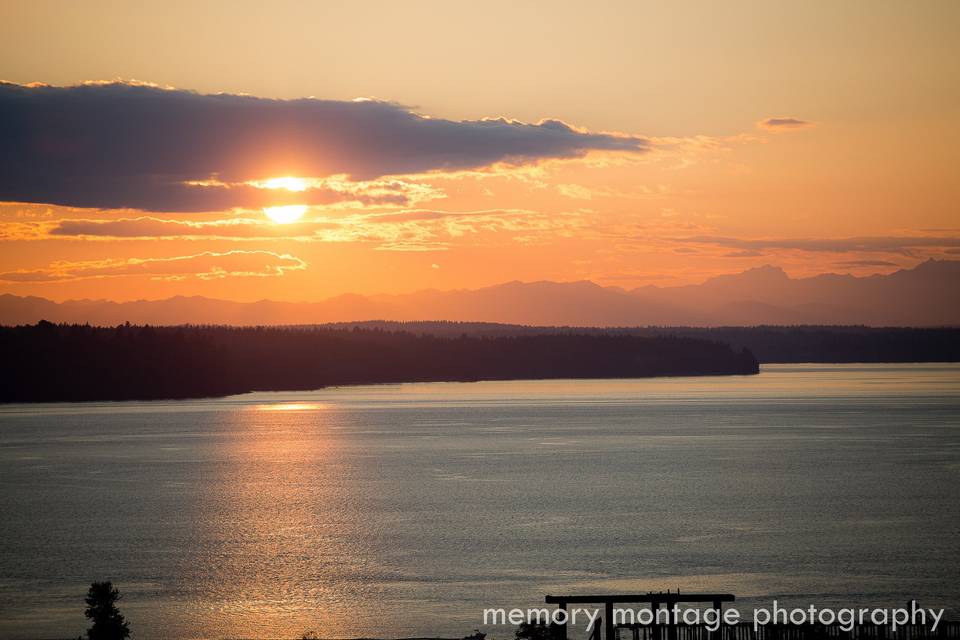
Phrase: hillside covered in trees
(47, 362)
(798, 343)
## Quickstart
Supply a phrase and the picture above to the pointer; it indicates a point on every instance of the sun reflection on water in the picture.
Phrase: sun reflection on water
(291, 406)
(286, 537)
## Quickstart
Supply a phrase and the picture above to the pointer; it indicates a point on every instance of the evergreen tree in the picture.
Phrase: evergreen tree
(108, 623)
(533, 631)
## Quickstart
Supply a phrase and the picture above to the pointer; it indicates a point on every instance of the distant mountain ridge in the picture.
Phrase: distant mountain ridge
(926, 295)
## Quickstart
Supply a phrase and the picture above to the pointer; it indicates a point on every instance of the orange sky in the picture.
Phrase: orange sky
(818, 136)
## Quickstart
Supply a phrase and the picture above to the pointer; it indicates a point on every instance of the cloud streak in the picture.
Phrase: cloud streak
(405, 230)
(204, 266)
(879, 244)
(866, 264)
(126, 145)
(153, 227)
(784, 124)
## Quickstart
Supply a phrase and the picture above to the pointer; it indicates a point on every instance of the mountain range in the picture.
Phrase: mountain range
(926, 295)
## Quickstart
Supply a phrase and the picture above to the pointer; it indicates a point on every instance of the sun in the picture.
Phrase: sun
(285, 214)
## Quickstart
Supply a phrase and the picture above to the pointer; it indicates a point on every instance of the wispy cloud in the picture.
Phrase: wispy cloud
(882, 244)
(784, 124)
(204, 266)
(866, 264)
(411, 229)
(124, 145)
(153, 227)
(746, 253)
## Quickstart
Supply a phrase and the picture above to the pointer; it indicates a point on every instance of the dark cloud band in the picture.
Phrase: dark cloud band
(122, 145)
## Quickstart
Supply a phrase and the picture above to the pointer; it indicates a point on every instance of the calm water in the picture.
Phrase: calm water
(404, 510)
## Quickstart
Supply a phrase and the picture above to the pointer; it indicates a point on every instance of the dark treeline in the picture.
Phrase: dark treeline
(768, 343)
(834, 344)
(47, 362)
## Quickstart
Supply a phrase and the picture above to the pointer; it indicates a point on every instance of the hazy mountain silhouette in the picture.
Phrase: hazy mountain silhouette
(923, 296)
(927, 295)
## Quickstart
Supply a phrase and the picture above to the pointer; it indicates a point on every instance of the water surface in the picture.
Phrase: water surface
(402, 510)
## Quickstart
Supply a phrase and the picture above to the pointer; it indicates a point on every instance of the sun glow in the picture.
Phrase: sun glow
(287, 182)
(285, 214)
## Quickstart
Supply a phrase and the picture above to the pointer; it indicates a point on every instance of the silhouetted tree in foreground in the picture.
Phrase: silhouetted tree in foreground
(108, 622)
(533, 631)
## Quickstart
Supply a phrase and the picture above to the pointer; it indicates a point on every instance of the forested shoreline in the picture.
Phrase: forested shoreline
(769, 343)
(49, 363)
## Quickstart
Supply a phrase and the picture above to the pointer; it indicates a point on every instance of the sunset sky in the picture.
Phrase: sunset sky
(295, 151)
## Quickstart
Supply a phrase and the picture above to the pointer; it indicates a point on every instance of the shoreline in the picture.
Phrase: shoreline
(239, 395)
(378, 384)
